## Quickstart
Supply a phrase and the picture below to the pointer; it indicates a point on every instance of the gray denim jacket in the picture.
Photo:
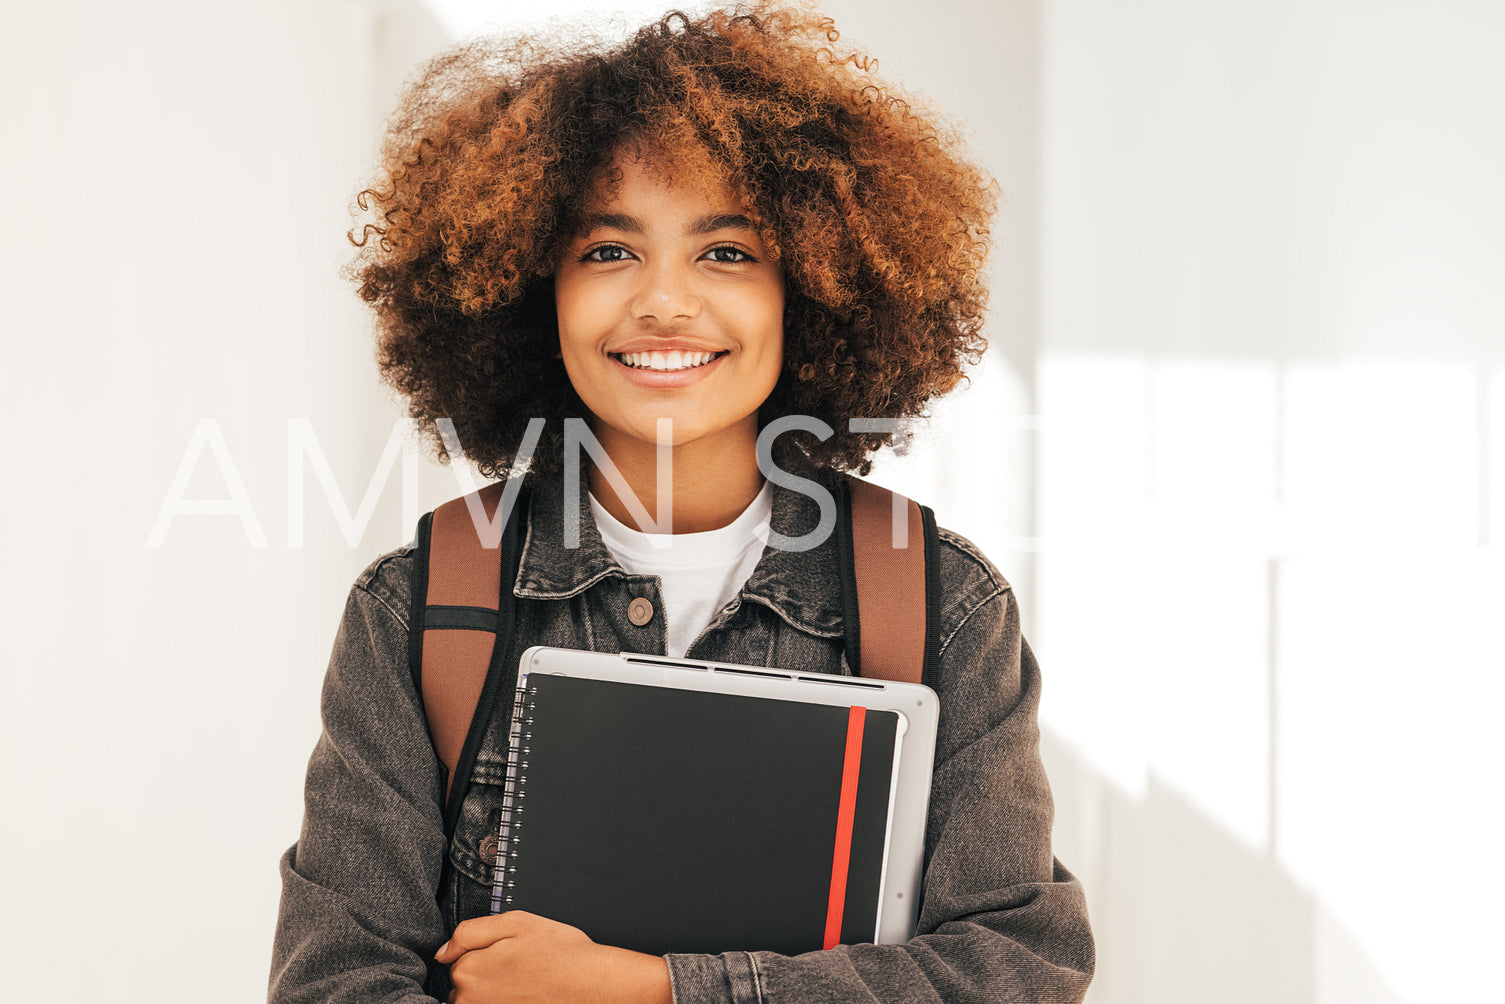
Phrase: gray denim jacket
(366, 896)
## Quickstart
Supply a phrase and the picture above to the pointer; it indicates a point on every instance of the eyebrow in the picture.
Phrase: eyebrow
(632, 225)
(724, 221)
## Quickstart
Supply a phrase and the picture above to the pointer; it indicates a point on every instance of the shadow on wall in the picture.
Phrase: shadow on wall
(1186, 912)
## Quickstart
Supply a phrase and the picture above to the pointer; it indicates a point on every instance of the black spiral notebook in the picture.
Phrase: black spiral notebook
(662, 819)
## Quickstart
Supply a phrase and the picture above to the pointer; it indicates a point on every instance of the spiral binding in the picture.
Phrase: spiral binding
(514, 790)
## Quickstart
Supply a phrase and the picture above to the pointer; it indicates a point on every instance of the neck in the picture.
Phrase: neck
(714, 481)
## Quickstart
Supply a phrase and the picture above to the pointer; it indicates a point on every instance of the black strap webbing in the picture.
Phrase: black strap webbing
(501, 671)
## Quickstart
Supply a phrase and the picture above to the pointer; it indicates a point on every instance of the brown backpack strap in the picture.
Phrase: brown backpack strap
(463, 630)
(462, 617)
(889, 606)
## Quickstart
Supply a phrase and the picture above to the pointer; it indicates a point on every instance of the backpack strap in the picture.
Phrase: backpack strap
(888, 546)
(463, 619)
(461, 630)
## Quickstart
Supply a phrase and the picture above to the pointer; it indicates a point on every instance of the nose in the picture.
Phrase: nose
(667, 294)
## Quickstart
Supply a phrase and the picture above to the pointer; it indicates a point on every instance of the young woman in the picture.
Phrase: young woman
(720, 222)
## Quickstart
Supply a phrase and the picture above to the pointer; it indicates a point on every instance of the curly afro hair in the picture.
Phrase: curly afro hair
(881, 228)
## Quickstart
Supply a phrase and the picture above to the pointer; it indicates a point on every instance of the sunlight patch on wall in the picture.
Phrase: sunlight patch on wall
(1180, 498)
(1154, 513)
(1390, 686)
(1380, 454)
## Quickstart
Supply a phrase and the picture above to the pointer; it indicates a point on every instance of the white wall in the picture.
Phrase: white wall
(973, 461)
(179, 174)
(1240, 447)
(1272, 341)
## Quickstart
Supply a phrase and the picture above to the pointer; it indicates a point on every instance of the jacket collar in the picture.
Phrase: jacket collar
(802, 587)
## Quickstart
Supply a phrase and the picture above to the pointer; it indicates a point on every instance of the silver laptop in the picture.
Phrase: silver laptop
(914, 706)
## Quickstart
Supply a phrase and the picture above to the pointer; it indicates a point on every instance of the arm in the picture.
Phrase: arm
(999, 920)
(359, 918)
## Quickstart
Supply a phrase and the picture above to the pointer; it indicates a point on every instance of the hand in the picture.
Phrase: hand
(522, 957)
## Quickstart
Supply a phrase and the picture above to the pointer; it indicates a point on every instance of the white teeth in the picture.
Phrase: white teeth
(666, 361)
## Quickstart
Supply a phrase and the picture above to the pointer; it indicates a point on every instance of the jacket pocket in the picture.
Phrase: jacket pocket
(473, 850)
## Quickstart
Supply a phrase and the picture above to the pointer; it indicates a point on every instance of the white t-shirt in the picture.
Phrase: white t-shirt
(699, 572)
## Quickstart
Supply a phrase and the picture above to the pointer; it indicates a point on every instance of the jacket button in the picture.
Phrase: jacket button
(640, 611)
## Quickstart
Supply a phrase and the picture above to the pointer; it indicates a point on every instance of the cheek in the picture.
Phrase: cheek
(571, 355)
(763, 312)
(776, 350)
(775, 326)
(577, 332)
(574, 338)
(574, 307)
(566, 308)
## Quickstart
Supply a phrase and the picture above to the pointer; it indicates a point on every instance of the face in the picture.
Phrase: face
(669, 307)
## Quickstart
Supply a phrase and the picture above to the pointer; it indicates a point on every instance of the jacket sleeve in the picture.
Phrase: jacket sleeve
(999, 920)
(359, 915)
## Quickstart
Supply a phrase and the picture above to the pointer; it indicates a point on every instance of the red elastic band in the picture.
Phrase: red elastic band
(845, 813)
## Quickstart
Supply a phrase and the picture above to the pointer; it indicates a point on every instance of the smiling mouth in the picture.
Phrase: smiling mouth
(666, 362)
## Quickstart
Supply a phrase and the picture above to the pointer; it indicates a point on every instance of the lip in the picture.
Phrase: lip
(656, 343)
(667, 379)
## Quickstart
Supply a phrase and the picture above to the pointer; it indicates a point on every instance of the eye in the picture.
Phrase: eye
(606, 253)
(729, 254)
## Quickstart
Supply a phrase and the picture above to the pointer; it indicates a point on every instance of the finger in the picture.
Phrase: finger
(479, 932)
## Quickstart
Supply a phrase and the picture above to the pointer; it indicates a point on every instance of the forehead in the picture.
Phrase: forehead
(660, 182)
